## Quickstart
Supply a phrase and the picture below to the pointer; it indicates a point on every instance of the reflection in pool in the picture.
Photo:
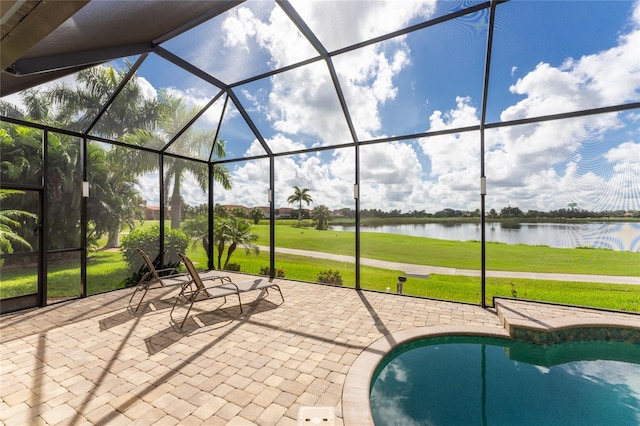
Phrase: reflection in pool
(488, 381)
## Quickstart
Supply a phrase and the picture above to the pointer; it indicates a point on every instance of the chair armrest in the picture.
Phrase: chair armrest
(223, 282)
(159, 271)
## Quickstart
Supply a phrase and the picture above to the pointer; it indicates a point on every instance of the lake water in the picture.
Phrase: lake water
(615, 236)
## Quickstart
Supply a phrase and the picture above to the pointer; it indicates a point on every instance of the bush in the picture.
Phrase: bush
(265, 270)
(233, 267)
(148, 240)
(330, 277)
(135, 277)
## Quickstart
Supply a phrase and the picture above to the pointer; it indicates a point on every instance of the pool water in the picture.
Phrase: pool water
(488, 381)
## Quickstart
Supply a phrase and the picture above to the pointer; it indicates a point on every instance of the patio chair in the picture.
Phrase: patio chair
(156, 278)
(219, 286)
(222, 287)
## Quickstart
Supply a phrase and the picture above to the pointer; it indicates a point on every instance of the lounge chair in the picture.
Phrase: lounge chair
(218, 287)
(156, 278)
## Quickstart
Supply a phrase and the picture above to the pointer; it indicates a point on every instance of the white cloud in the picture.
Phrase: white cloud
(543, 166)
(366, 77)
(627, 153)
(276, 34)
(238, 27)
(304, 101)
(329, 177)
(147, 89)
(391, 177)
(609, 77)
(536, 166)
(355, 21)
(148, 185)
(16, 98)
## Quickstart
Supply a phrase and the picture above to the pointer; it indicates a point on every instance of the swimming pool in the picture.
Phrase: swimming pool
(473, 380)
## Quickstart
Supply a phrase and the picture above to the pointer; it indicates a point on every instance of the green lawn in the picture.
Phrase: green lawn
(456, 254)
(106, 269)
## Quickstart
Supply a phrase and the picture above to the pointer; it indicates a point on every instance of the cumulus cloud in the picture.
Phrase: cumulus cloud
(367, 79)
(609, 77)
(303, 110)
(147, 89)
(303, 102)
(390, 176)
(276, 34)
(357, 21)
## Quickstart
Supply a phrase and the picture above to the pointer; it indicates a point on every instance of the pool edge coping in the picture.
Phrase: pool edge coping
(356, 409)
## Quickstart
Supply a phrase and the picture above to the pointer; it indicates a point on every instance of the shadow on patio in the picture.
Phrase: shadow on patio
(94, 360)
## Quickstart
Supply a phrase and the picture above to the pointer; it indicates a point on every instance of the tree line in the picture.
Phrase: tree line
(505, 212)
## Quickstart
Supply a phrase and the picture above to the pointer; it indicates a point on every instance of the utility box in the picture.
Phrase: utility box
(316, 416)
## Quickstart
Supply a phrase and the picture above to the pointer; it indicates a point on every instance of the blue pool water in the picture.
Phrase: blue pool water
(488, 381)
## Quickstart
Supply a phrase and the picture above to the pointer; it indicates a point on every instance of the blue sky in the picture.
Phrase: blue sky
(548, 57)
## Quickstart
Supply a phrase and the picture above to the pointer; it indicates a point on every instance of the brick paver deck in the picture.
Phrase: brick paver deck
(93, 361)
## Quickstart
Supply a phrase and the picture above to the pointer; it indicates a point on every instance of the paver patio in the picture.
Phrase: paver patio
(94, 361)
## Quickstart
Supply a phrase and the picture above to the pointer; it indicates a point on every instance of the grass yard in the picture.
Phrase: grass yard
(107, 270)
(456, 254)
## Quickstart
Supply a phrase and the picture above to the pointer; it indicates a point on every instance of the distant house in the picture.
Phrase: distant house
(153, 212)
(285, 213)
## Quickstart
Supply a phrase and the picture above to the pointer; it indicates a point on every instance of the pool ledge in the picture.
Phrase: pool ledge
(355, 393)
(550, 331)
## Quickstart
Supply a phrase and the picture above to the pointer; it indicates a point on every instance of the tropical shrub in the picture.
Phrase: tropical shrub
(234, 233)
(322, 215)
(265, 270)
(330, 277)
(232, 267)
(148, 240)
(135, 277)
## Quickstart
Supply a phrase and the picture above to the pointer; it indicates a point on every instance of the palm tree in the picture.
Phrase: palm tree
(9, 225)
(220, 236)
(115, 199)
(255, 214)
(298, 196)
(173, 117)
(238, 232)
(322, 214)
(21, 149)
(79, 104)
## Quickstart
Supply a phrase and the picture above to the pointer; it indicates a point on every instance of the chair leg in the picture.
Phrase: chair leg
(174, 306)
(239, 302)
(191, 299)
(143, 284)
(143, 295)
(186, 315)
(279, 291)
(133, 294)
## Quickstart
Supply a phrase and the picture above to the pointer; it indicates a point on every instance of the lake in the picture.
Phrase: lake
(619, 236)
